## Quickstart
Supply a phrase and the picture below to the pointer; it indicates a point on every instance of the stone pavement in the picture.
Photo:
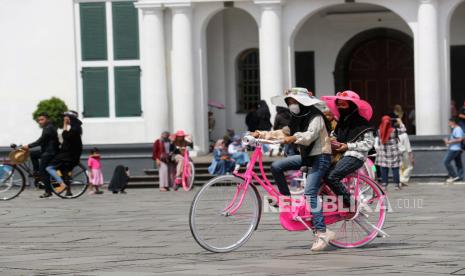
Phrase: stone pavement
(146, 233)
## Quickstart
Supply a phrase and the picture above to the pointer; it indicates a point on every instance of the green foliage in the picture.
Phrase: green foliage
(54, 107)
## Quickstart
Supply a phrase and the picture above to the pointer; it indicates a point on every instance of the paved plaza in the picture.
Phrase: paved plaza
(146, 232)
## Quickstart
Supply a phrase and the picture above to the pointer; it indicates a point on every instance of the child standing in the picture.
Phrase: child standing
(95, 172)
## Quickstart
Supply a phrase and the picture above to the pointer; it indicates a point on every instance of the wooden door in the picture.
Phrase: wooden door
(381, 71)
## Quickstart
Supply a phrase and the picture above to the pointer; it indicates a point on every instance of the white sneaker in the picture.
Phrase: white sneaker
(323, 240)
(452, 179)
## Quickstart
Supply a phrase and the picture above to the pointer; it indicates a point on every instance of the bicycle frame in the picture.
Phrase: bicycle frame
(185, 172)
(296, 219)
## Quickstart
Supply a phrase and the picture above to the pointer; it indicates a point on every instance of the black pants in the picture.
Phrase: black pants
(344, 167)
(39, 163)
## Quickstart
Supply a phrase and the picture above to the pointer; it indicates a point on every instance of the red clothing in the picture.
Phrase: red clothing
(158, 149)
(94, 162)
(385, 129)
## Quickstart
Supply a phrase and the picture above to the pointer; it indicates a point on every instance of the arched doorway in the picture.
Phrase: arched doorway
(457, 56)
(379, 65)
(232, 67)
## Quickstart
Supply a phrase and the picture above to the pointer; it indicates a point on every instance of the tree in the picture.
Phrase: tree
(54, 107)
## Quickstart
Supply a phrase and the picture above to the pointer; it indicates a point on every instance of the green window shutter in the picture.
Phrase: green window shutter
(93, 31)
(127, 91)
(125, 30)
(95, 91)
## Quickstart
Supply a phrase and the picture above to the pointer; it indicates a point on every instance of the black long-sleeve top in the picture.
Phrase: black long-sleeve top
(48, 141)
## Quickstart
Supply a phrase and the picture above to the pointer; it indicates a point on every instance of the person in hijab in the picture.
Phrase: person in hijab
(309, 129)
(238, 152)
(119, 180)
(353, 138)
(264, 116)
(388, 155)
(161, 154)
(282, 119)
(251, 119)
(70, 151)
(222, 162)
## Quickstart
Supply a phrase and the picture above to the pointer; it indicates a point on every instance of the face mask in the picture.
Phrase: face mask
(343, 111)
(294, 108)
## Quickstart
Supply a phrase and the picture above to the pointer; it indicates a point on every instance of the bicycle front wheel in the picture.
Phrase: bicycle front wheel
(224, 214)
(76, 183)
(12, 182)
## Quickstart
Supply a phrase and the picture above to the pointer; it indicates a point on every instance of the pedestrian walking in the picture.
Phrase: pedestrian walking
(454, 152)
(387, 149)
(95, 172)
(407, 158)
(163, 149)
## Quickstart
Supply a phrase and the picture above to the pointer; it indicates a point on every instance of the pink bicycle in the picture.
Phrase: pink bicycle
(227, 210)
(188, 173)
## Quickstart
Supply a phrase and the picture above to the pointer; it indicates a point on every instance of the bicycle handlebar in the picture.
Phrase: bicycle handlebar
(250, 140)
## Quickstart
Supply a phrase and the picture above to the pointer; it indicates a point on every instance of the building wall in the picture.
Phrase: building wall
(37, 61)
(229, 33)
(457, 23)
(327, 42)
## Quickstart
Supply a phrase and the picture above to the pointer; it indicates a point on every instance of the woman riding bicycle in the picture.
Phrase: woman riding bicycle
(309, 130)
(353, 138)
(70, 151)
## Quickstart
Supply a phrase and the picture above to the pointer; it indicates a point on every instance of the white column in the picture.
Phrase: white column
(155, 93)
(182, 72)
(428, 107)
(270, 49)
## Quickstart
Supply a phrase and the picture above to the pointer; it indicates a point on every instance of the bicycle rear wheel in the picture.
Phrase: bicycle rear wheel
(12, 182)
(188, 182)
(372, 209)
(214, 224)
(76, 183)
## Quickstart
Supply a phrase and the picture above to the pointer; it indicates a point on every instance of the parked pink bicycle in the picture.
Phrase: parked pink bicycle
(227, 210)
(188, 173)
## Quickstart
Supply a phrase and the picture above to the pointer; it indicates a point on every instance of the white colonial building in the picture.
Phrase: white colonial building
(135, 68)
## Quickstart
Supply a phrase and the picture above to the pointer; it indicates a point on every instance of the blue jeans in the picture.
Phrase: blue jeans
(343, 168)
(320, 165)
(53, 172)
(455, 155)
(280, 166)
(385, 175)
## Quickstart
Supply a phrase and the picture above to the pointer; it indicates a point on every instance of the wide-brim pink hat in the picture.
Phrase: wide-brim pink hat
(364, 108)
(180, 133)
